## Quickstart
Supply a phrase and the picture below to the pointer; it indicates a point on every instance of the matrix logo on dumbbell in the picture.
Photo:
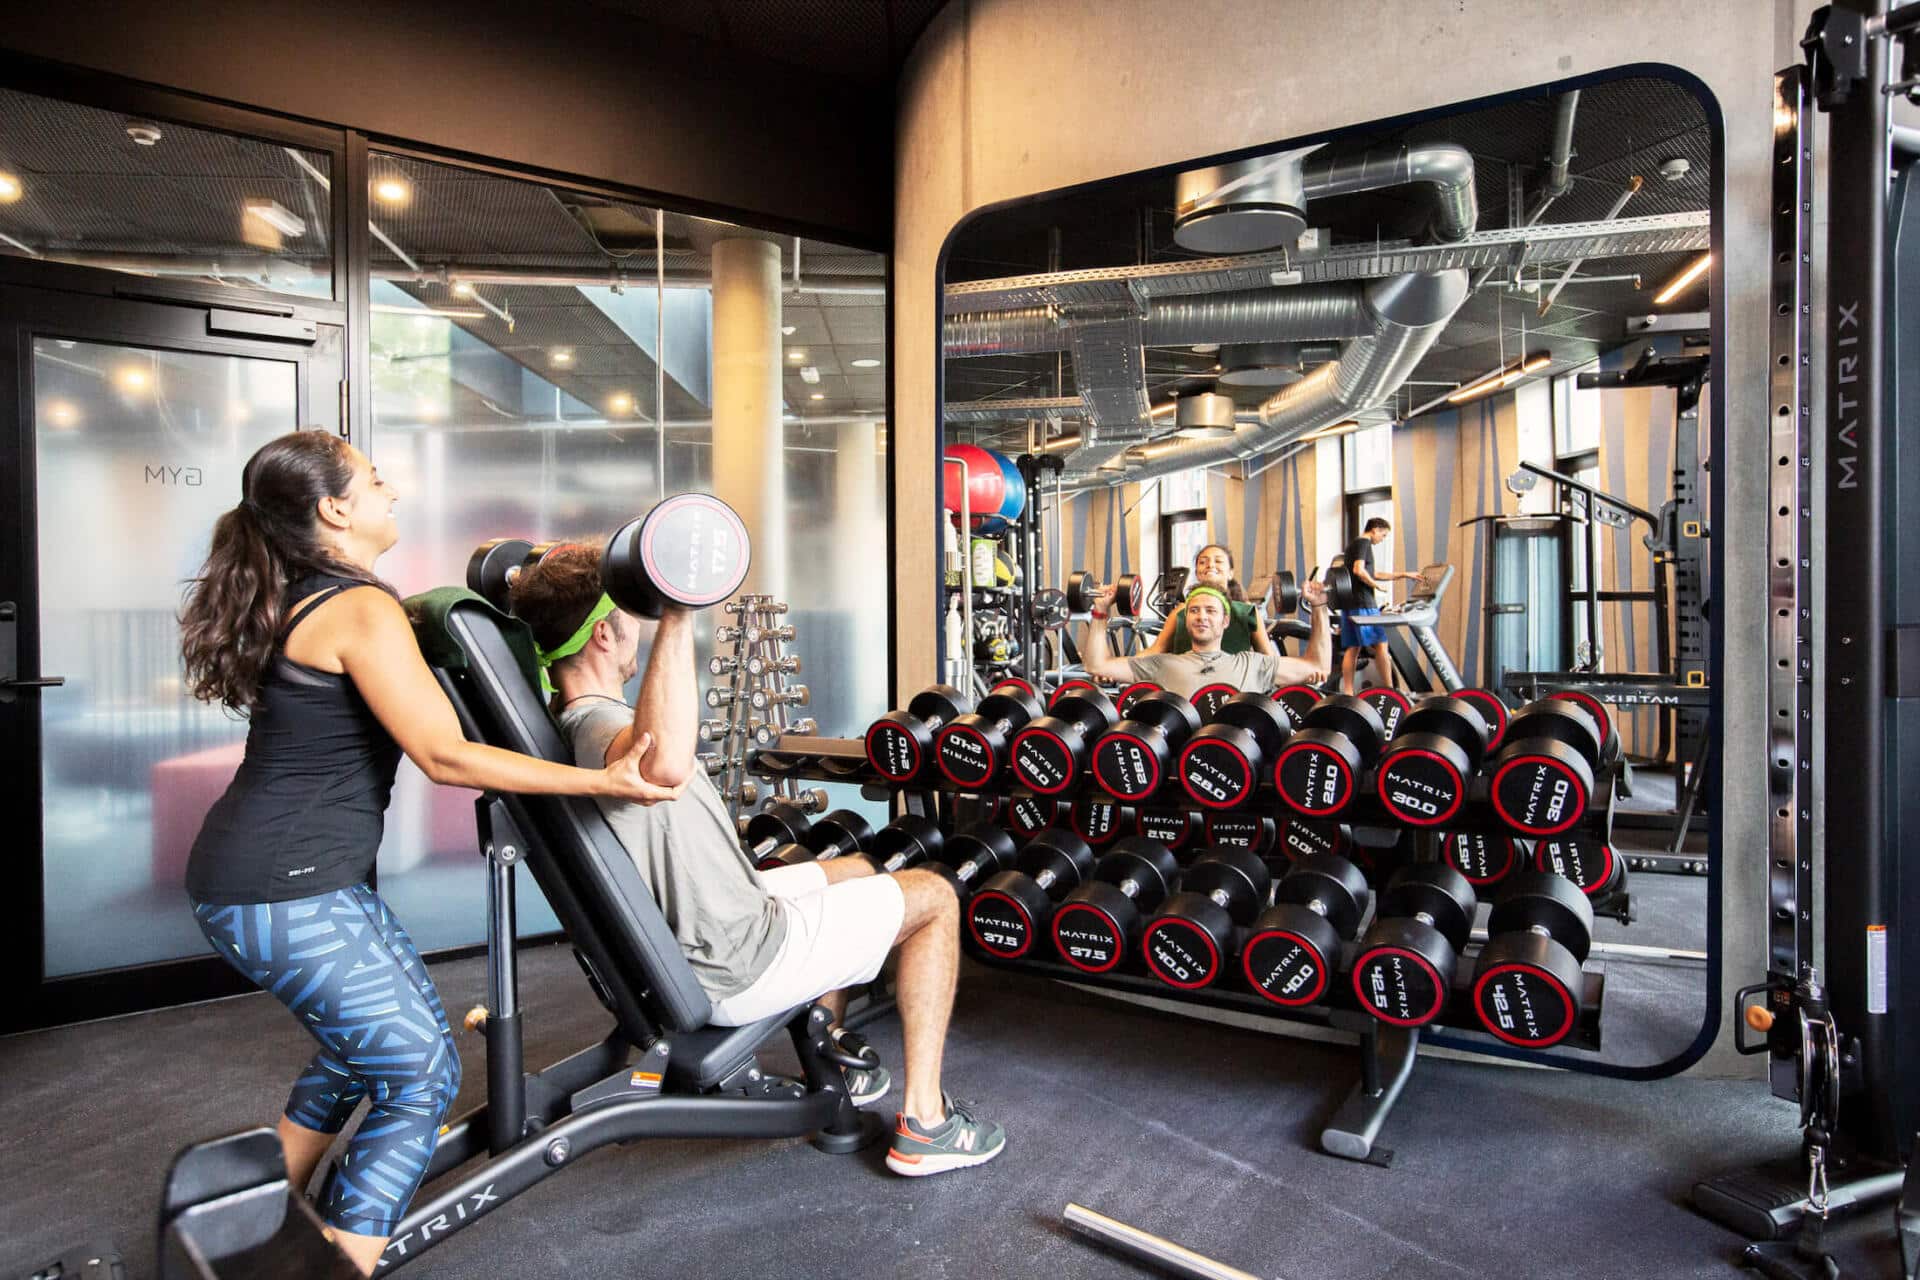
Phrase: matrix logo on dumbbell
(1098, 921)
(1423, 775)
(1013, 906)
(1100, 822)
(1220, 765)
(972, 751)
(1528, 987)
(1587, 861)
(1404, 970)
(1295, 944)
(1317, 771)
(1171, 827)
(1134, 757)
(1028, 816)
(1543, 779)
(1188, 942)
(900, 743)
(1051, 754)
(1484, 858)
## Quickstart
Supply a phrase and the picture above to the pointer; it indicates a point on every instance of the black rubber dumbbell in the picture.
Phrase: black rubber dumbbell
(1209, 698)
(1027, 816)
(1318, 771)
(1100, 821)
(1082, 587)
(689, 551)
(972, 856)
(1389, 704)
(1173, 828)
(972, 751)
(900, 743)
(1528, 987)
(1403, 972)
(906, 842)
(1052, 754)
(1302, 837)
(1190, 939)
(838, 833)
(1131, 693)
(1296, 700)
(1492, 709)
(781, 822)
(1609, 735)
(1586, 860)
(1136, 757)
(1542, 781)
(1014, 907)
(1253, 833)
(1223, 763)
(1427, 766)
(1098, 922)
(492, 568)
(1485, 858)
(1294, 947)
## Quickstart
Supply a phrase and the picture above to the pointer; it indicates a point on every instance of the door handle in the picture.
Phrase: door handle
(43, 682)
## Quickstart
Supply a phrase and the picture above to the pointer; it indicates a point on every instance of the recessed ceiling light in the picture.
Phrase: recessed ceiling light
(620, 404)
(132, 378)
(10, 188)
(797, 355)
(809, 374)
(144, 132)
(392, 190)
(1205, 348)
(789, 329)
(561, 355)
(271, 212)
(819, 395)
(62, 414)
(424, 407)
(865, 362)
(461, 289)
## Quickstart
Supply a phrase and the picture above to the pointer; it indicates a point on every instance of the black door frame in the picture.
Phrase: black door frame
(27, 314)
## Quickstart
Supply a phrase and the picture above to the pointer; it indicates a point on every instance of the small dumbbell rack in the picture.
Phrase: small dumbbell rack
(751, 666)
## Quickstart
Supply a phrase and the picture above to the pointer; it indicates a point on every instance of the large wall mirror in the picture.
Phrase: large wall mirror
(1489, 326)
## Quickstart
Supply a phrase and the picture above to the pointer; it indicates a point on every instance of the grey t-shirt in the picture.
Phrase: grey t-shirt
(1184, 673)
(686, 850)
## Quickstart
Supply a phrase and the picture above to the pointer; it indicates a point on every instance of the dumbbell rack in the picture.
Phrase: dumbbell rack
(1386, 1052)
(751, 686)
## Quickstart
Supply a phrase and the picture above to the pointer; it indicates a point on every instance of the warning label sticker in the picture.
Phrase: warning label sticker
(1876, 968)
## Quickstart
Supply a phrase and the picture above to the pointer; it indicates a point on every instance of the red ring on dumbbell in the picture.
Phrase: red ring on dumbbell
(1246, 966)
(1116, 736)
(1014, 682)
(1494, 711)
(1566, 997)
(973, 927)
(1480, 882)
(1373, 1011)
(1593, 707)
(1390, 694)
(1573, 783)
(1346, 779)
(1013, 750)
(1421, 820)
(1218, 691)
(1124, 703)
(1213, 955)
(1541, 862)
(1119, 942)
(1071, 686)
(873, 759)
(940, 761)
(1246, 772)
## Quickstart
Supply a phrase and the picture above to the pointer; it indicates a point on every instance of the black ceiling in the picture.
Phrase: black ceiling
(1623, 129)
(860, 40)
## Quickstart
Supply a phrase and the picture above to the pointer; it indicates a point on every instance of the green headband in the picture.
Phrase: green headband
(575, 642)
(1226, 605)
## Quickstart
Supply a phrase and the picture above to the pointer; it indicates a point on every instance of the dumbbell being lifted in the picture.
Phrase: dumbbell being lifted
(1128, 592)
(689, 552)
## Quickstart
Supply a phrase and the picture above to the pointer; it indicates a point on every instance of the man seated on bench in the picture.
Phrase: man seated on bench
(1206, 612)
(759, 942)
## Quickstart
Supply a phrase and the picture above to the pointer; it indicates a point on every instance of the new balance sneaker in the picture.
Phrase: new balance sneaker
(961, 1141)
(863, 1086)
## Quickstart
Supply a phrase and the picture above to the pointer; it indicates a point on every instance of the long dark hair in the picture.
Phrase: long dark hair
(1235, 592)
(231, 616)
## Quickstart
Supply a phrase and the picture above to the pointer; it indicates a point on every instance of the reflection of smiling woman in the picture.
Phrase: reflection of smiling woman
(1213, 567)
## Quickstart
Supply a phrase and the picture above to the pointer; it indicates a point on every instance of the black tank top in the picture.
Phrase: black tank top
(304, 813)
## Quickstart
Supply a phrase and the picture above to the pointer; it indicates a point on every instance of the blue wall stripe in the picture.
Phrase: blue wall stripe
(1446, 458)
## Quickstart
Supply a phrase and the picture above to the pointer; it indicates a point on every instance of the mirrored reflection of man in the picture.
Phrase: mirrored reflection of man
(1356, 635)
(1207, 612)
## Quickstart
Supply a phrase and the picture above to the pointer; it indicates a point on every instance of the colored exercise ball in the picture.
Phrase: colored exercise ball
(986, 487)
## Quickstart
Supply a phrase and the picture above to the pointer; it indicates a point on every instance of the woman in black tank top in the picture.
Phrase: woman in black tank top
(288, 624)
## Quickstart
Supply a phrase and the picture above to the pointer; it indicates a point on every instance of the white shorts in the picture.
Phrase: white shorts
(837, 936)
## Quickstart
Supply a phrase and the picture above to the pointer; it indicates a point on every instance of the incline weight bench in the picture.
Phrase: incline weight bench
(690, 1079)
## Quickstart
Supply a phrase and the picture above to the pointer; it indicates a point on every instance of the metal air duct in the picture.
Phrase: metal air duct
(1447, 168)
(1205, 415)
(1241, 207)
(1246, 315)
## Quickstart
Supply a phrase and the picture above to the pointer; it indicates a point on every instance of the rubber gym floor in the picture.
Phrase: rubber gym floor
(1200, 1132)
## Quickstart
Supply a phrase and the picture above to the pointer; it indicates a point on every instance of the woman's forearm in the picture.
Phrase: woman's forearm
(474, 764)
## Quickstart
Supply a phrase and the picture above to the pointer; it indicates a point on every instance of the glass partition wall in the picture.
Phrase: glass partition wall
(540, 363)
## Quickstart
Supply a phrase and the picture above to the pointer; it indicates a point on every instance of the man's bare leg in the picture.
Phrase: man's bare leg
(1347, 658)
(1383, 667)
(929, 966)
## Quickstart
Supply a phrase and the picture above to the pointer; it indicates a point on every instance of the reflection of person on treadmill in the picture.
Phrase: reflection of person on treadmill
(1354, 635)
(1213, 567)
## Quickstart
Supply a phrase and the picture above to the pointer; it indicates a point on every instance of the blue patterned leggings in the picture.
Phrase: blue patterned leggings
(348, 971)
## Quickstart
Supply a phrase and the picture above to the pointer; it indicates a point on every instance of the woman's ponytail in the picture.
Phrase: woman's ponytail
(230, 620)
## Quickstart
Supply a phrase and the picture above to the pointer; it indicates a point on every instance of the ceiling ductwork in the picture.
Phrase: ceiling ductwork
(1250, 315)
(1273, 364)
(1447, 168)
(1204, 415)
(1408, 313)
(1242, 207)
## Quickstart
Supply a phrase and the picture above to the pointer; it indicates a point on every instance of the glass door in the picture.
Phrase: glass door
(134, 420)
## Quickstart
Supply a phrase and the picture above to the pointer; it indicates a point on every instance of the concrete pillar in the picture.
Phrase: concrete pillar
(749, 466)
(859, 529)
